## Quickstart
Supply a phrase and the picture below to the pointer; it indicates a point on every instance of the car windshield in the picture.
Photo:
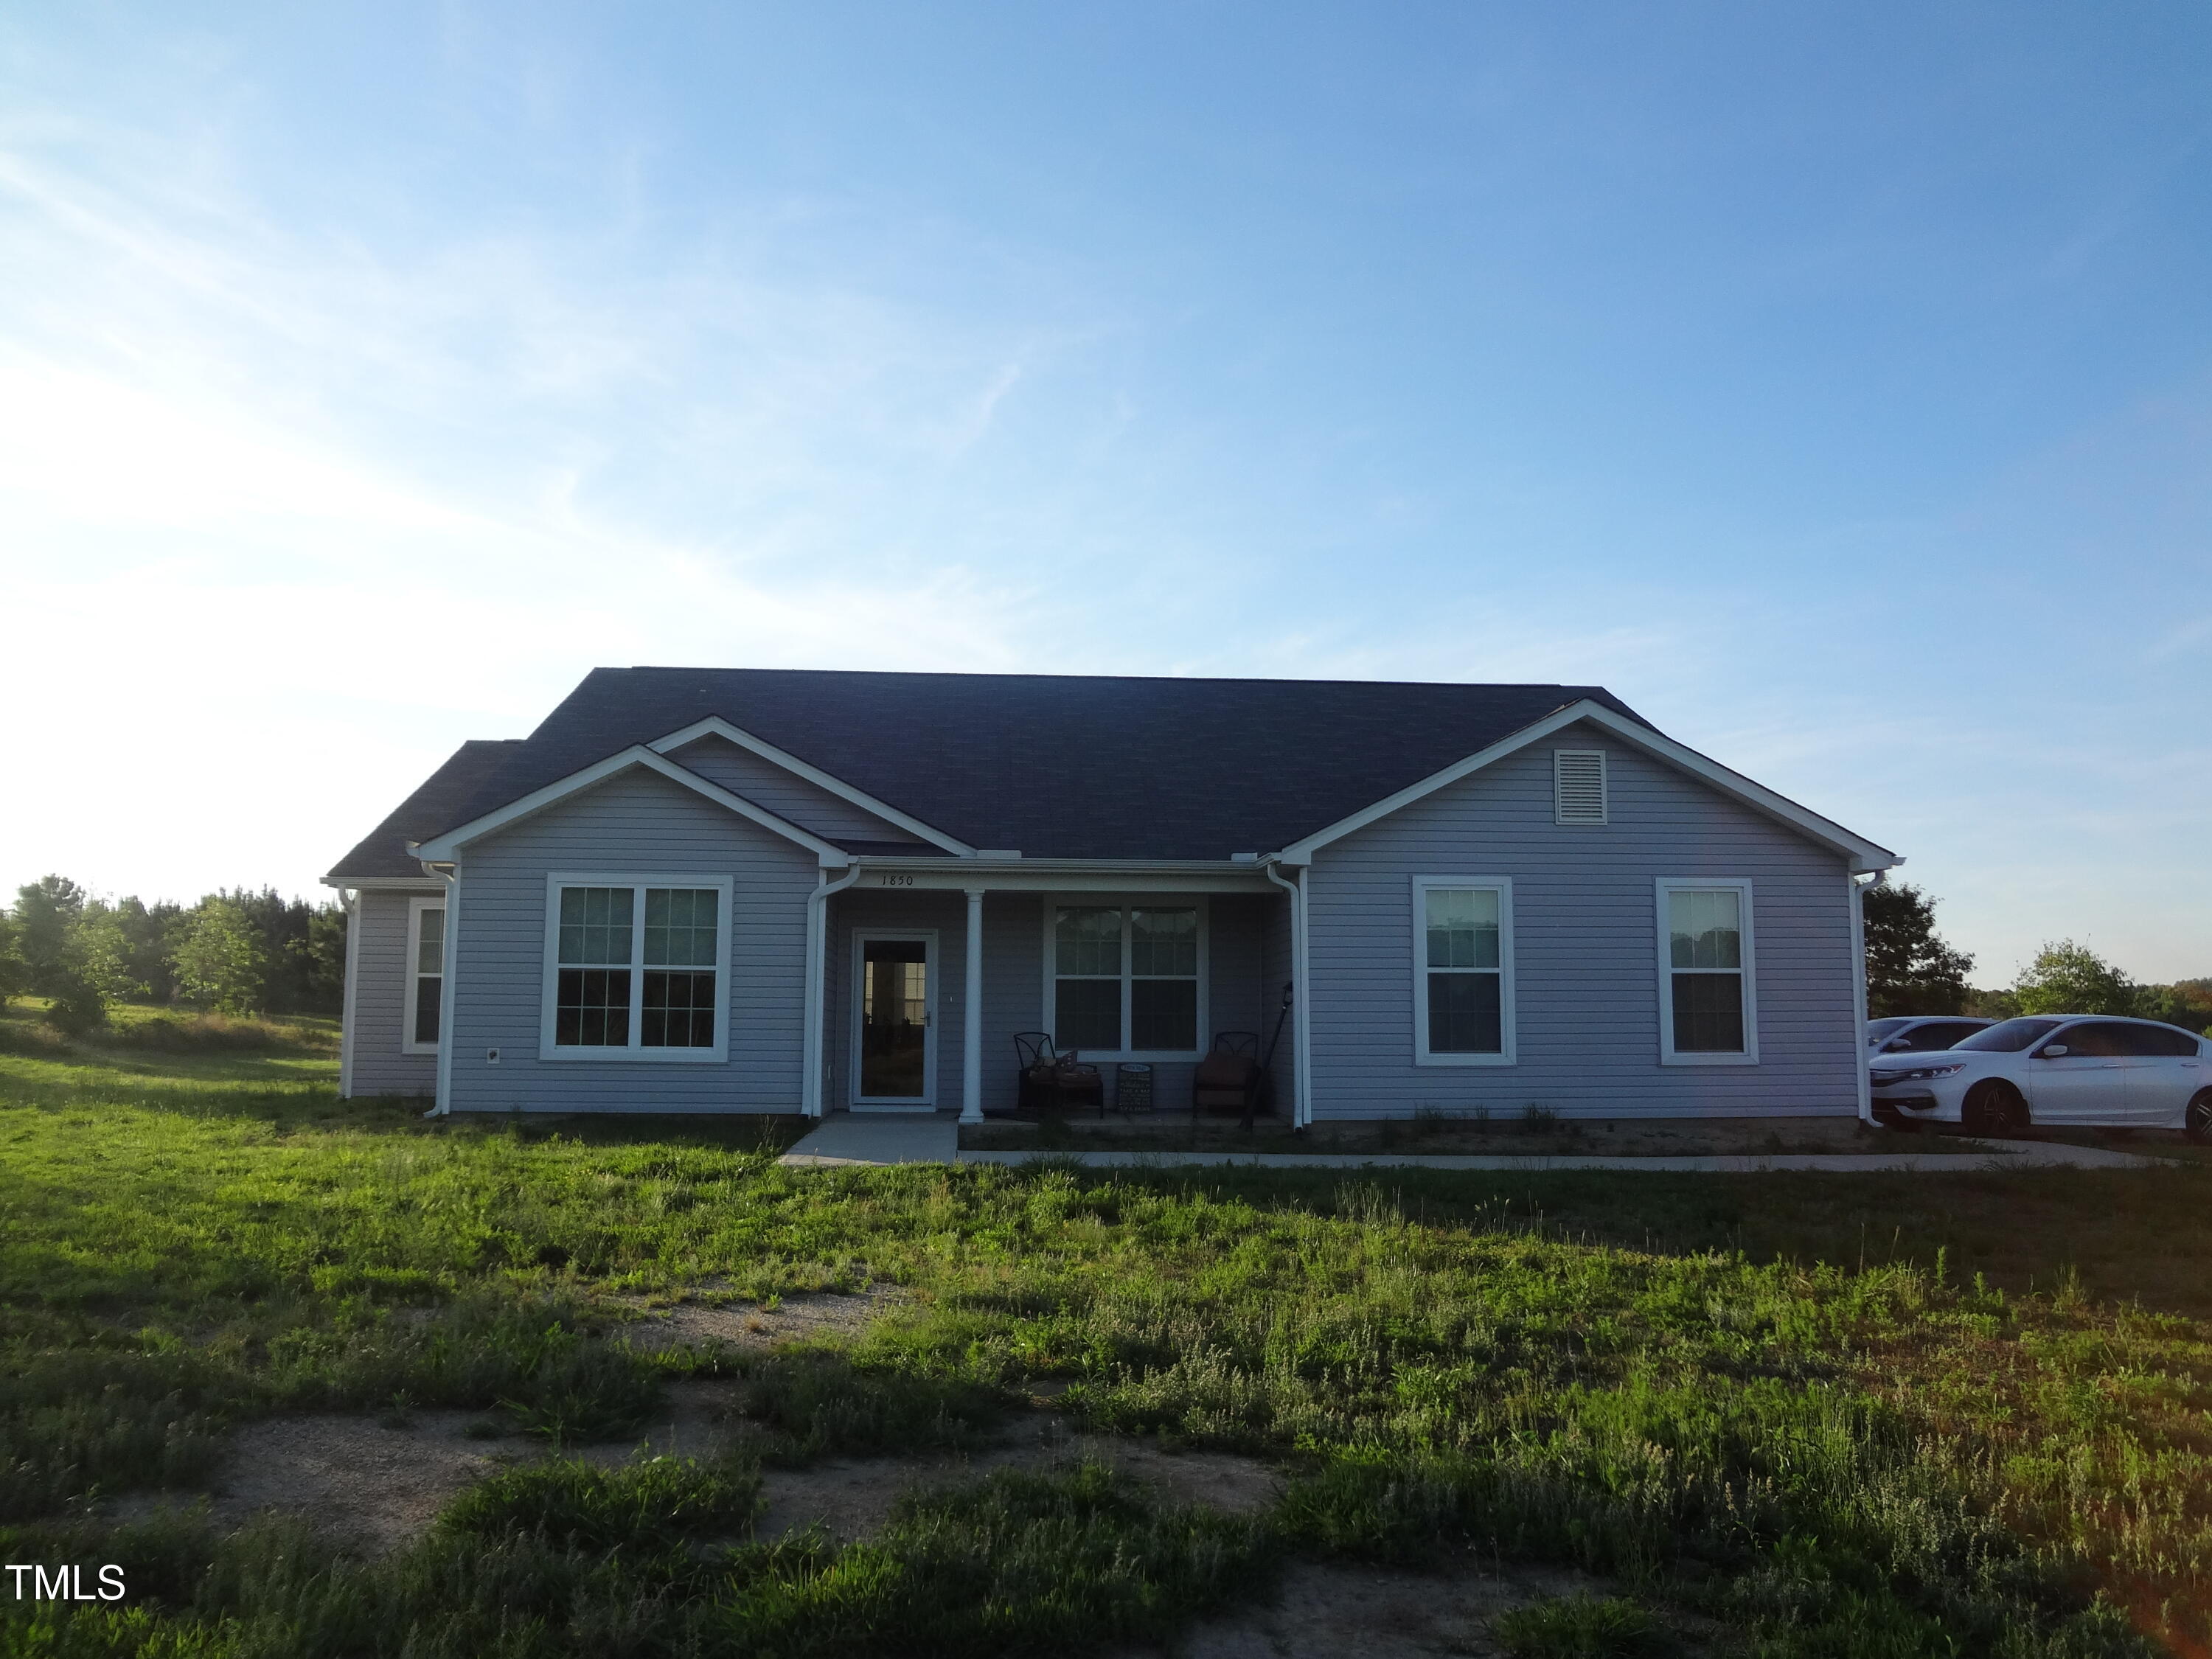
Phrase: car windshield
(2012, 1035)
(1879, 1028)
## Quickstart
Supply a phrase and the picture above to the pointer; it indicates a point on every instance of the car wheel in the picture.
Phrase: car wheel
(2197, 1126)
(1994, 1108)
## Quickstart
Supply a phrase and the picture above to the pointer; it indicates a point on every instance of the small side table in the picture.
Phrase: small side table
(1133, 1088)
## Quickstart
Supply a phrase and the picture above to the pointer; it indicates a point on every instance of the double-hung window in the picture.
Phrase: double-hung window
(1127, 979)
(1462, 970)
(635, 968)
(426, 975)
(1708, 987)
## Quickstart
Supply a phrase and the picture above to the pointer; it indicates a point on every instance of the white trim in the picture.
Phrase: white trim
(1560, 757)
(971, 1014)
(1125, 901)
(352, 899)
(1503, 886)
(715, 726)
(935, 961)
(1301, 1001)
(1040, 876)
(447, 993)
(412, 977)
(1864, 855)
(814, 1083)
(634, 1052)
(423, 883)
(448, 845)
(1749, 972)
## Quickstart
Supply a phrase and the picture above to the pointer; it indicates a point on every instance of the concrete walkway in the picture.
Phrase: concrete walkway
(845, 1138)
(868, 1138)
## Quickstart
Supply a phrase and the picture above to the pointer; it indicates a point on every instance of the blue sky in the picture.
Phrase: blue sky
(1834, 383)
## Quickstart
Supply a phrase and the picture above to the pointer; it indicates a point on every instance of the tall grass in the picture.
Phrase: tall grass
(1803, 1441)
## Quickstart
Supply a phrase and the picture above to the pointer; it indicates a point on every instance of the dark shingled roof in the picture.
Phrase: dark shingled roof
(383, 852)
(1065, 766)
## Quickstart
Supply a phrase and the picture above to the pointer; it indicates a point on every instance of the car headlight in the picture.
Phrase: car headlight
(1920, 1073)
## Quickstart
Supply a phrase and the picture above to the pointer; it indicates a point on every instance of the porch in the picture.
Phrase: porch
(928, 969)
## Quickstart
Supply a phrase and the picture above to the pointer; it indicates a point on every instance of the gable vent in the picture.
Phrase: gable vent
(1578, 785)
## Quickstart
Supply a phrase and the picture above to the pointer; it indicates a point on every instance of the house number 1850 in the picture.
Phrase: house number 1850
(894, 881)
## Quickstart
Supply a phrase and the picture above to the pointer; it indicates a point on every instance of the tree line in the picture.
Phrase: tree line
(237, 951)
(1912, 969)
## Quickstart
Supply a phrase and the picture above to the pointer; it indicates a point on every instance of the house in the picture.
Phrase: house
(756, 890)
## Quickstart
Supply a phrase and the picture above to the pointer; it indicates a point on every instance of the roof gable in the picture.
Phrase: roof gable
(448, 845)
(1864, 855)
(1058, 766)
(1064, 766)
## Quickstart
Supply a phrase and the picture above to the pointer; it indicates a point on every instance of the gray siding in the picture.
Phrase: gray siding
(1586, 954)
(785, 793)
(636, 822)
(378, 997)
(947, 913)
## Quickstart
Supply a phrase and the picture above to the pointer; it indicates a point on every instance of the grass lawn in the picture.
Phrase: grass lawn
(1870, 1414)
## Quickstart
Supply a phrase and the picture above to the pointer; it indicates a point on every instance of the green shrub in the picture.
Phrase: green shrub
(77, 1009)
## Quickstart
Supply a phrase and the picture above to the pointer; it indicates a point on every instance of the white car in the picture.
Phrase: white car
(2054, 1068)
(1910, 1033)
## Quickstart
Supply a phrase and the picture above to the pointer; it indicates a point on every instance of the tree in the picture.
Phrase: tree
(47, 914)
(103, 953)
(15, 972)
(2186, 1003)
(1910, 967)
(77, 1008)
(220, 957)
(2066, 978)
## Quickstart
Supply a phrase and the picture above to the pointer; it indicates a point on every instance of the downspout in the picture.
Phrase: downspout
(448, 958)
(350, 898)
(811, 1083)
(1859, 991)
(1301, 998)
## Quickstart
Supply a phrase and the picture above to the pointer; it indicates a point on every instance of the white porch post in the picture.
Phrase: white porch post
(971, 1023)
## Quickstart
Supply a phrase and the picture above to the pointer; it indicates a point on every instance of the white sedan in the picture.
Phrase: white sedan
(2054, 1068)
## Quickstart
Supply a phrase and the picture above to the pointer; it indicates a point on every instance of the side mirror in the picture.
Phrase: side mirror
(1894, 1044)
(2051, 1053)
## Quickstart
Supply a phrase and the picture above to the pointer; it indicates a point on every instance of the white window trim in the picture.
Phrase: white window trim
(1171, 900)
(928, 1096)
(634, 1054)
(1503, 886)
(1663, 886)
(416, 907)
(1604, 790)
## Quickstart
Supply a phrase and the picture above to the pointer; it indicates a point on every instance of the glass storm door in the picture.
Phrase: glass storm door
(895, 997)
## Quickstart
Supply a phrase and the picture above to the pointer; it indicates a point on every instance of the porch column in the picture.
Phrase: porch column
(971, 1025)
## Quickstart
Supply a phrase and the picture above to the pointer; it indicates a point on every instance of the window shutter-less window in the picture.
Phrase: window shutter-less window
(1578, 785)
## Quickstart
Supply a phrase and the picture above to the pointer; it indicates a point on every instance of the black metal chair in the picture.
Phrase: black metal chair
(1049, 1081)
(1228, 1078)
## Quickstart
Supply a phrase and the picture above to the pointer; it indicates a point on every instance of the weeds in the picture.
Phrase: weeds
(1911, 1455)
(1582, 1627)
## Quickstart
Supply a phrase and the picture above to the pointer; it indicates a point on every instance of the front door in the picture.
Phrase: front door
(895, 997)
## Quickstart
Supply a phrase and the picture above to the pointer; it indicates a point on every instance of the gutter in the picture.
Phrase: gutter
(351, 898)
(1301, 996)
